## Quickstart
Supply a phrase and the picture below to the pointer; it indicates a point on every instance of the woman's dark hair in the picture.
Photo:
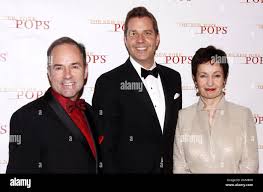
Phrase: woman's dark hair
(211, 54)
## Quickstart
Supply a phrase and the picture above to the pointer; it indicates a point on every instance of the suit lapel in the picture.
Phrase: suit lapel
(168, 95)
(144, 97)
(91, 124)
(65, 119)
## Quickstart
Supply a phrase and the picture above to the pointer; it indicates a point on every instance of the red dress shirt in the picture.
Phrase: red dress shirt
(78, 117)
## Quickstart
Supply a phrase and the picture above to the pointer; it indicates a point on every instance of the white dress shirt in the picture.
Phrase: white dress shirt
(155, 90)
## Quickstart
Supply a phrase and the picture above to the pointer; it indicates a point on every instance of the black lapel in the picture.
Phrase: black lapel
(168, 95)
(65, 119)
(132, 76)
(91, 127)
(94, 135)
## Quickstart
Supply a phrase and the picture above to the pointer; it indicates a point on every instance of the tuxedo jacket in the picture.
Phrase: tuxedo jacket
(228, 146)
(133, 139)
(50, 141)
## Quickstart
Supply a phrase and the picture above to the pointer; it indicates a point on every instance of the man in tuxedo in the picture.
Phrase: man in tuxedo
(57, 130)
(137, 104)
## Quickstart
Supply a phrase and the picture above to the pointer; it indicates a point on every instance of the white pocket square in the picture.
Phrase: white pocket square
(176, 95)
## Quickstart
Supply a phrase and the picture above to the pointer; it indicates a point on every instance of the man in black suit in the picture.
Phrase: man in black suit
(57, 130)
(137, 104)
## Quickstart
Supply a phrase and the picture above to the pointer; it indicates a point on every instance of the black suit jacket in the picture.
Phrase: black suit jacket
(133, 139)
(50, 141)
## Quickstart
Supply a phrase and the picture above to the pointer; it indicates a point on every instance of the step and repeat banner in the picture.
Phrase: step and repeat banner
(27, 28)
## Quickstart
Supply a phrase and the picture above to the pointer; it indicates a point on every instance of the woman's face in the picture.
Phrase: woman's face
(210, 80)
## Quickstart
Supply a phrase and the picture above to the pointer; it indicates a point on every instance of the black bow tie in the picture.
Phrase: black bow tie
(145, 73)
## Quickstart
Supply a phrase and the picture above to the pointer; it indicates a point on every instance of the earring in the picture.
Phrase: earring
(224, 91)
(197, 91)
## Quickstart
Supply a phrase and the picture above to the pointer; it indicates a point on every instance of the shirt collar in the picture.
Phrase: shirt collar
(219, 106)
(61, 99)
(138, 66)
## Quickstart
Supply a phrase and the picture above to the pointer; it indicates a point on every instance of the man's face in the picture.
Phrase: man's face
(141, 40)
(66, 71)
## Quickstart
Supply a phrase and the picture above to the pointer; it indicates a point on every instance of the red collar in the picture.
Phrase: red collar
(61, 99)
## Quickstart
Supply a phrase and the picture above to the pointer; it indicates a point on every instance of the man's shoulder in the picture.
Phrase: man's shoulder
(168, 70)
(116, 71)
(31, 106)
(115, 74)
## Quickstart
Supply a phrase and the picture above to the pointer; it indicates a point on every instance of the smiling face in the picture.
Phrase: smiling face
(141, 40)
(66, 71)
(210, 80)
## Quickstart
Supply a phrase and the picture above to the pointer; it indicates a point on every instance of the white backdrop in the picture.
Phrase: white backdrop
(27, 27)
